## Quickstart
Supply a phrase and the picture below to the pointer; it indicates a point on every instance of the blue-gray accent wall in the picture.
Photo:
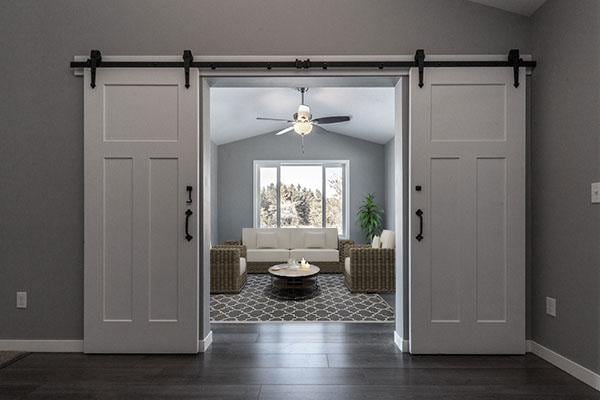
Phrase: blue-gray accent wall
(235, 176)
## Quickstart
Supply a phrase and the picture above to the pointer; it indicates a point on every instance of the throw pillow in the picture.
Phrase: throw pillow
(376, 243)
(314, 240)
(388, 240)
(266, 240)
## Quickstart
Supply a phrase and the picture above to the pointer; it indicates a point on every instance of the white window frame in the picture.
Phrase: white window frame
(345, 164)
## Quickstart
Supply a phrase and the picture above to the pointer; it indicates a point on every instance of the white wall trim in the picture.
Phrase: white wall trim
(580, 372)
(401, 343)
(45, 346)
(204, 344)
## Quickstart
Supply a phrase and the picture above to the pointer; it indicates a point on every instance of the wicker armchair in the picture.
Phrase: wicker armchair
(227, 268)
(367, 269)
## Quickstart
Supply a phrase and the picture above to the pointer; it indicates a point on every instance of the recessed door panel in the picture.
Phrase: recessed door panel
(445, 243)
(141, 112)
(468, 112)
(117, 238)
(164, 262)
(491, 248)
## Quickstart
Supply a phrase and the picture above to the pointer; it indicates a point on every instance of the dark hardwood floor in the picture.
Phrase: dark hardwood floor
(294, 361)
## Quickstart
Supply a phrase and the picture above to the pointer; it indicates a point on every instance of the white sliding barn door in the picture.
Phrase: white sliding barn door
(140, 153)
(467, 274)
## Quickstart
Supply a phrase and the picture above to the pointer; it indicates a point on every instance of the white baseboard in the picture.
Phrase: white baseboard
(44, 346)
(580, 372)
(401, 343)
(204, 344)
(68, 346)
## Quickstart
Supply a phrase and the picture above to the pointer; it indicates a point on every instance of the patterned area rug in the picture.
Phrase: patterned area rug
(334, 303)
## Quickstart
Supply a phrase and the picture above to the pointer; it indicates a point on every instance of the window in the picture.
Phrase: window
(301, 194)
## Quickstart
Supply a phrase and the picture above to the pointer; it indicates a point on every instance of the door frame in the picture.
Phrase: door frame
(400, 155)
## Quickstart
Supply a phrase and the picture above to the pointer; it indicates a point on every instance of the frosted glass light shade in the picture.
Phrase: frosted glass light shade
(303, 128)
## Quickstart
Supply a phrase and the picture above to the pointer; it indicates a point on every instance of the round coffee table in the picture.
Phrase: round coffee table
(294, 283)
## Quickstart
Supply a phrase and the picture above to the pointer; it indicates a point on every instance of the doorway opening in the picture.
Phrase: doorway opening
(280, 195)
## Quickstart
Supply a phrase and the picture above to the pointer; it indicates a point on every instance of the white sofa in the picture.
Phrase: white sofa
(266, 247)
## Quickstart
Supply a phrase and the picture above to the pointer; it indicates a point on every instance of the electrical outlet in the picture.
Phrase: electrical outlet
(596, 192)
(551, 306)
(21, 299)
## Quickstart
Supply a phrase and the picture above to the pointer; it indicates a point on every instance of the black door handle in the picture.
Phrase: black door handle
(189, 190)
(188, 214)
(420, 215)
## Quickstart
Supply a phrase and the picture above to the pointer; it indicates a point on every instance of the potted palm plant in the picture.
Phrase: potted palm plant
(370, 217)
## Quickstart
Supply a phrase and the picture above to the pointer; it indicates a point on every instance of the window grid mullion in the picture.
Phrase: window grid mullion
(323, 197)
(279, 196)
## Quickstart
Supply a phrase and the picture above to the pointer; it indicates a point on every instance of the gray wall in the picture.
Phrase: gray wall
(214, 194)
(236, 173)
(389, 204)
(565, 160)
(41, 111)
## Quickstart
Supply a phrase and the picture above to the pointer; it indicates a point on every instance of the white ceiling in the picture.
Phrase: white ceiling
(233, 111)
(523, 7)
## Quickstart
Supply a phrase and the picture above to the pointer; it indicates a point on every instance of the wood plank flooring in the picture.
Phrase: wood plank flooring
(290, 361)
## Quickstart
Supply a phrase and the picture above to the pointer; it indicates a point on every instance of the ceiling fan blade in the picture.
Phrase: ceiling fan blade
(286, 130)
(273, 119)
(331, 120)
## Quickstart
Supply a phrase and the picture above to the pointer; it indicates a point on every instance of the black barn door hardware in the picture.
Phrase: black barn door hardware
(420, 60)
(188, 214)
(188, 58)
(95, 61)
(189, 192)
(514, 59)
(419, 213)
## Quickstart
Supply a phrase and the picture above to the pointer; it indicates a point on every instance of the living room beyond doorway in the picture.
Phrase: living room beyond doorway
(302, 201)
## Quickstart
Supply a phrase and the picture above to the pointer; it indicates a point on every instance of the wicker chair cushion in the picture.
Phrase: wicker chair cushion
(242, 265)
(347, 265)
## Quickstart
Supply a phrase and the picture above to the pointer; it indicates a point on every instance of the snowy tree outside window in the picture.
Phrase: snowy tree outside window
(311, 194)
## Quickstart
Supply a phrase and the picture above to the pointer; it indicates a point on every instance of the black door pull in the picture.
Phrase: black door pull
(188, 214)
(420, 215)
(189, 191)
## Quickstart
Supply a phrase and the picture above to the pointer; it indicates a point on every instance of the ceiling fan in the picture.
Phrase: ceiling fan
(302, 121)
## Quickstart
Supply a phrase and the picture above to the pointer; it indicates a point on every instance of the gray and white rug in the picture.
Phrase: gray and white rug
(333, 303)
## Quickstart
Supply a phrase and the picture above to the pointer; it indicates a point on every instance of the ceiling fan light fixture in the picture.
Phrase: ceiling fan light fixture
(303, 127)
(303, 113)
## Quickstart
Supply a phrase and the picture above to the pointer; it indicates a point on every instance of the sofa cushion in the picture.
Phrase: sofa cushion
(268, 255)
(297, 236)
(347, 265)
(249, 237)
(242, 265)
(314, 240)
(266, 240)
(388, 240)
(316, 255)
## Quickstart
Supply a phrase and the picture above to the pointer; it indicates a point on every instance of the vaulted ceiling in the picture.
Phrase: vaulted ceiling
(233, 111)
(523, 7)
